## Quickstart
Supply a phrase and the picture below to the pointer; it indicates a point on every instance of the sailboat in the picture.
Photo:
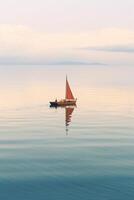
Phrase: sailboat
(69, 98)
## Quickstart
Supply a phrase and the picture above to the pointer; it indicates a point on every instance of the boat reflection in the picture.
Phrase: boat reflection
(68, 115)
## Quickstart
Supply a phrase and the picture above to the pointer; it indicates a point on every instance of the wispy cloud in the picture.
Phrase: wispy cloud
(114, 48)
(23, 45)
(44, 61)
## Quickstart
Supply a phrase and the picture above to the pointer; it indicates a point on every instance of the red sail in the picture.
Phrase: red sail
(69, 94)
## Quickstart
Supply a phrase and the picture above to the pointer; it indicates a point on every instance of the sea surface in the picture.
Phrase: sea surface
(85, 152)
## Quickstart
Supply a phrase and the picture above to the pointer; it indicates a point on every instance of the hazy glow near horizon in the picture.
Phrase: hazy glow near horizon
(67, 31)
(23, 86)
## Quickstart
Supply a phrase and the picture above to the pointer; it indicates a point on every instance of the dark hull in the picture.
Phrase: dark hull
(53, 104)
(62, 103)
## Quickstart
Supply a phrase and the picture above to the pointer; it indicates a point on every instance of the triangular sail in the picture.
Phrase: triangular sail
(69, 94)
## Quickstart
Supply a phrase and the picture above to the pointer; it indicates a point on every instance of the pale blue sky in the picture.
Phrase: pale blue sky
(71, 31)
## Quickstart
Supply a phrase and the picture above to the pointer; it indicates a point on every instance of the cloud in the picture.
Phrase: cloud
(114, 48)
(23, 45)
(45, 61)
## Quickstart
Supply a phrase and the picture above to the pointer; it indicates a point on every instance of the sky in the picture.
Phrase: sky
(67, 32)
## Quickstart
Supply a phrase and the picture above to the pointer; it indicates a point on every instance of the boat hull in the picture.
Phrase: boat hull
(62, 103)
(53, 104)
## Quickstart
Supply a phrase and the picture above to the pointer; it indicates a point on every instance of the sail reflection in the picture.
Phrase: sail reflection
(68, 115)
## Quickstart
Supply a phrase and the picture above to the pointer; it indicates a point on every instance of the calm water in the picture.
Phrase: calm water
(92, 158)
